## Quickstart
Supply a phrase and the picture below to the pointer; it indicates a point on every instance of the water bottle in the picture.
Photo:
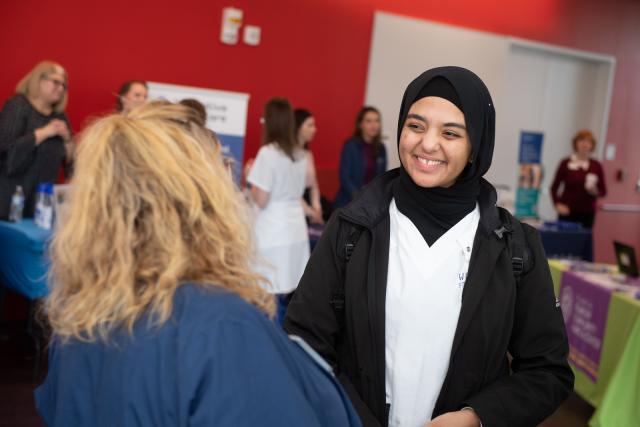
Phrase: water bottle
(17, 205)
(44, 206)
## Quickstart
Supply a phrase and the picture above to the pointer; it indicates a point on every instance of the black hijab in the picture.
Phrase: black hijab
(435, 210)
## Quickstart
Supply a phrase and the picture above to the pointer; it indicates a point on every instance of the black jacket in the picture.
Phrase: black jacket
(498, 317)
(22, 162)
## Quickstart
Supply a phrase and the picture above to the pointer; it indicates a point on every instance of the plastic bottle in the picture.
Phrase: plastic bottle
(44, 206)
(17, 205)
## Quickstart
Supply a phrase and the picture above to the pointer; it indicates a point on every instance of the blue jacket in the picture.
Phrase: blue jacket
(352, 170)
(217, 361)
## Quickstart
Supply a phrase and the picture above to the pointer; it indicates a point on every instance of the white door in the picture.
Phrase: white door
(554, 93)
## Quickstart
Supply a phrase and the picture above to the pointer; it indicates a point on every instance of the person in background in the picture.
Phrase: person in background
(582, 181)
(157, 317)
(201, 116)
(199, 108)
(363, 156)
(305, 131)
(278, 179)
(35, 135)
(411, 294)
(132, 93)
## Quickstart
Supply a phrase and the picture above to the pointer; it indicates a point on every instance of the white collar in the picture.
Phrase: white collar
(575, 163)
(463, 232)
(467, 231)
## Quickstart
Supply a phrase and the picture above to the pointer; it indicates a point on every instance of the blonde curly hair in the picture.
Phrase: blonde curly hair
(151, 208)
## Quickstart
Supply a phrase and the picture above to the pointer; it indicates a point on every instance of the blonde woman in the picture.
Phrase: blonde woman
(156, 317)
(35, 135)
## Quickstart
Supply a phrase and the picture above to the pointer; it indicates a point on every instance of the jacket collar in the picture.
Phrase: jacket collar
(372, 204)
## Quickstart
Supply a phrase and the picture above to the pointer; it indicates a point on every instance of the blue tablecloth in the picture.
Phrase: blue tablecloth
(23, 264)
(562, 243)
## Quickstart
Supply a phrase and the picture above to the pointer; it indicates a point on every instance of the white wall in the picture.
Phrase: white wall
(551, 93)
(534, 87)
(402, 48)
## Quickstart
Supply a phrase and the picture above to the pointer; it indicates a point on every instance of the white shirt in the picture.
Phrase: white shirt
(280, 227)
(423, 300)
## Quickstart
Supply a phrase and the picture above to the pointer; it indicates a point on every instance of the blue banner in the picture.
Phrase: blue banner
(529, 174)
(530, 147)
(233, 147)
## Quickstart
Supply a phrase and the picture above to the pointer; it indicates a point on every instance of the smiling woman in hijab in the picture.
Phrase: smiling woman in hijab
(411, 294)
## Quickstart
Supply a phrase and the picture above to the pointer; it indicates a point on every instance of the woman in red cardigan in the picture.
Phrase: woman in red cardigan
(582, 181)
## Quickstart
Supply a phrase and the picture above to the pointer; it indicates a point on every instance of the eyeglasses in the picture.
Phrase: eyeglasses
(56, 82)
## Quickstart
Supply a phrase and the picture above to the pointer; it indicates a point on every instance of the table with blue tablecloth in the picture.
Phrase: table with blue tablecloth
(566, 242)
(23, 263)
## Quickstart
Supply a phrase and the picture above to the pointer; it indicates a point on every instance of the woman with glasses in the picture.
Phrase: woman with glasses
(35, 135)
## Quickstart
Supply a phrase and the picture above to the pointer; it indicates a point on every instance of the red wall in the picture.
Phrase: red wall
(315, 52)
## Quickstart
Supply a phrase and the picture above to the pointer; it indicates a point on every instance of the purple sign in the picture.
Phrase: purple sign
(584, 306)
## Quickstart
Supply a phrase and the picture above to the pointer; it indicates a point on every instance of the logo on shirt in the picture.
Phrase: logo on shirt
(462, 277)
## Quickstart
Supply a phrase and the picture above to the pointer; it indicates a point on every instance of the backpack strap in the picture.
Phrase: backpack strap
(513, 233)
(347, 238)
(352, 238)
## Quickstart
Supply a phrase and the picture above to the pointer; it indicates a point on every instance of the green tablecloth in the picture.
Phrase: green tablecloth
(616, 392)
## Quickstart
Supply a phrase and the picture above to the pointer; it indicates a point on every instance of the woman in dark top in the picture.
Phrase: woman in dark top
(35, 136)
(157, 317)
(363, 156)
(582, 179)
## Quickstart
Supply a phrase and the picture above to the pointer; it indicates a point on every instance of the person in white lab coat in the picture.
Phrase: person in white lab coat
(412, 294)
(278, 180)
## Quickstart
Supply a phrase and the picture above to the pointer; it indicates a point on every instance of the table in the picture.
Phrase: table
(23, 264)
(615, 393)
(567, 243)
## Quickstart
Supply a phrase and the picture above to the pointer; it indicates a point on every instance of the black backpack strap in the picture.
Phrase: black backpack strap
(352, 238)
(513, 233)
(347, 238)
(348, 235)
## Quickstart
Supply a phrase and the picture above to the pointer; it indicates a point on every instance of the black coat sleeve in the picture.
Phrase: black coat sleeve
(541, 378)
(17, 143)
(311, 316)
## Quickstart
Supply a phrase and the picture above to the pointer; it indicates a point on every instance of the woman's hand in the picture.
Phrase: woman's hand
(315, 216)
(562, 209)
(70, 149)
(55, 127)
(260, 197)
(463, 418)
(313, 213)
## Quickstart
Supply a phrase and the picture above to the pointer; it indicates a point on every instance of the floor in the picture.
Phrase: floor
(18, 379)
(17, 376)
